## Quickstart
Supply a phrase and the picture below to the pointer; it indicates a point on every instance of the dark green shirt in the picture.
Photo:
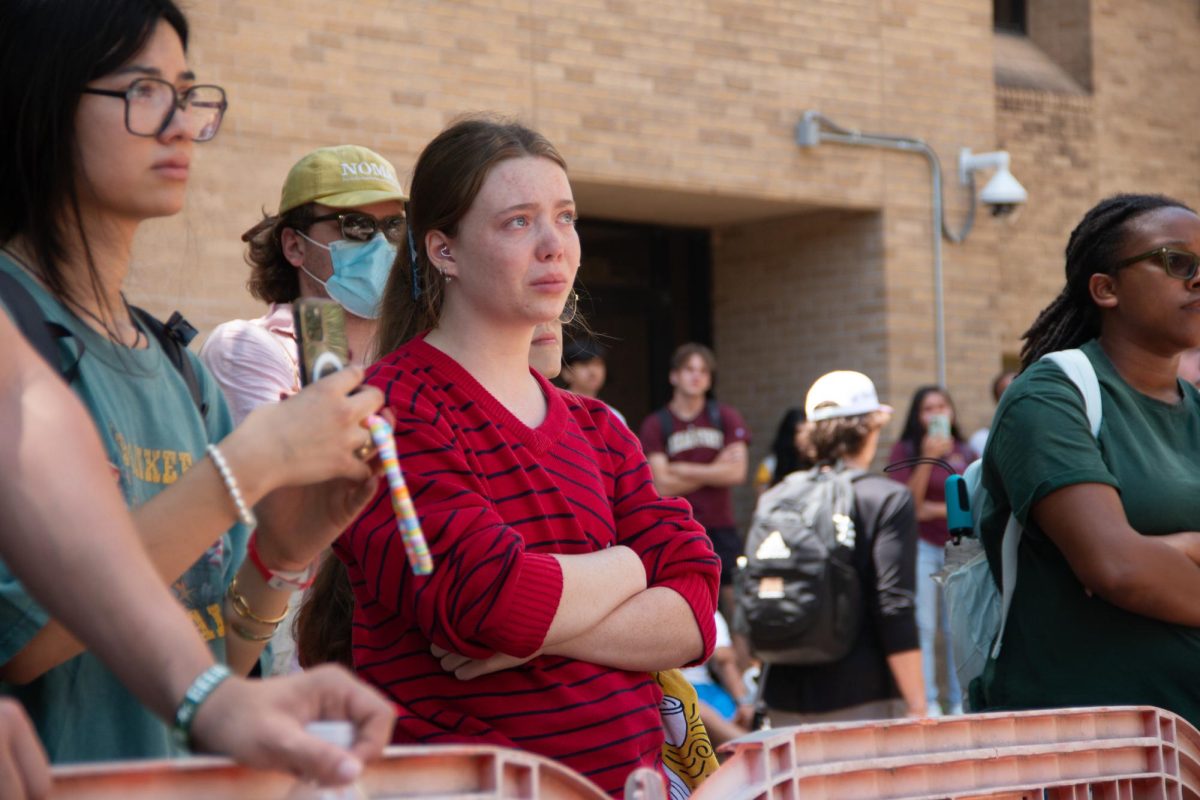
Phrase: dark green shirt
(1063, 647)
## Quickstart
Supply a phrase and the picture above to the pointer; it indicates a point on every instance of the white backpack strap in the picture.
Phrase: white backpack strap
(1008, 574)
(1076, 366)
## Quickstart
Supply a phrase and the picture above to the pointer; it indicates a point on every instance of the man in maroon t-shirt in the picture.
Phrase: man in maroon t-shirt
(697, 449)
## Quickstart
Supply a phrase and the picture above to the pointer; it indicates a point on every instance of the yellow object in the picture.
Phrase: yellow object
(243, 608)
(687, 751)
(345, 176)
(762, 477)
(250, 636)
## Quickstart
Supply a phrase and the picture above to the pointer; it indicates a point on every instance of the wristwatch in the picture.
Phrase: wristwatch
(204, 685)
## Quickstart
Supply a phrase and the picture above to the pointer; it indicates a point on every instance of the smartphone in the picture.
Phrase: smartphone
(939, 425)
(320, 338)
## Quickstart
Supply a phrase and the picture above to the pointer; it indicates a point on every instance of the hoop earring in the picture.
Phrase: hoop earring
(571, 309)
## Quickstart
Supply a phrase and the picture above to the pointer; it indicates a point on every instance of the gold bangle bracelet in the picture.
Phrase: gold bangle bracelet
(243, 608)
(249, 636)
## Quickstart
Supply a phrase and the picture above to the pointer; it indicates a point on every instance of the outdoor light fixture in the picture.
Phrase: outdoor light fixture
(1002, 194)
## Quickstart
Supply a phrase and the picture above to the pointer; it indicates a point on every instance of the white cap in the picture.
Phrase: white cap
(842, 394)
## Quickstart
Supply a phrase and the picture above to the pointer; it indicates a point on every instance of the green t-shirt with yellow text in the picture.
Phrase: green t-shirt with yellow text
(153, 433)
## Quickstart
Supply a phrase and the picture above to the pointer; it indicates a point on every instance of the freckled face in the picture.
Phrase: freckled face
(516, 252)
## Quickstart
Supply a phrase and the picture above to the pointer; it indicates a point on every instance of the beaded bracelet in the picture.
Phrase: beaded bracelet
(242, 607)
(200, 690)
(231, 484)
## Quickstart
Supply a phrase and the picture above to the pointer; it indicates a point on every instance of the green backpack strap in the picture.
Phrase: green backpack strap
(42, 335)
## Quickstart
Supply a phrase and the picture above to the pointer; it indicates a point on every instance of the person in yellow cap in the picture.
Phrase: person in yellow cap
(340, 219)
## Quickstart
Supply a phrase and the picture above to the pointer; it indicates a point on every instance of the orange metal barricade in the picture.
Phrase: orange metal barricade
(1126, 752)
(1120, 753)
(427, 773)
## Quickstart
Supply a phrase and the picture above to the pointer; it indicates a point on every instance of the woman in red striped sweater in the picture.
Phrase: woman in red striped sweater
(562, 579)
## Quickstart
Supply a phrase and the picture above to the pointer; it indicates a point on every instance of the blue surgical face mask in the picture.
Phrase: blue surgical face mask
(360, 271)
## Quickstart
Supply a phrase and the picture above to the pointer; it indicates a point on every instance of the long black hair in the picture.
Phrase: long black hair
(914, 430)
(49, 51)
(1093, 247)
(788, 458)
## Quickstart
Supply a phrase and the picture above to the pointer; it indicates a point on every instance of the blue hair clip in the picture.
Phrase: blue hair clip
(412, 261)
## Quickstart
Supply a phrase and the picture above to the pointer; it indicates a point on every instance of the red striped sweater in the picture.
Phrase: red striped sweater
(495, 499)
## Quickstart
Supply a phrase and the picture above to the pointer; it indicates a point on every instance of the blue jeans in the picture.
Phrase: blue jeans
(931, 612)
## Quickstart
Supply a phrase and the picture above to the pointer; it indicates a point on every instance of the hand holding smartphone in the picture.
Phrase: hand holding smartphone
(939, 426)
(320, 338)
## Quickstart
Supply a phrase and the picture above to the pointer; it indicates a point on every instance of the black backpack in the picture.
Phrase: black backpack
(666, 424)
(43, 336)
(799, 597)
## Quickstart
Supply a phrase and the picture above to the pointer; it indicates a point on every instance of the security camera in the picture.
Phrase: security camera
(1003, 194)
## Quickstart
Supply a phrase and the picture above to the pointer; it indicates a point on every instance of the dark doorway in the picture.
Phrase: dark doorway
(644, 289)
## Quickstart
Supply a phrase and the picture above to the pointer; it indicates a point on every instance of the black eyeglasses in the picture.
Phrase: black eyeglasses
(1178, 263)
(359, 227)
(151, 103)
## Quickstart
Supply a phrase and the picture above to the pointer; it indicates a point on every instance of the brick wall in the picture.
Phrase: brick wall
(682, 111)
(1062, 29)
(793, 299)
(1053, 139)
(677, 95)
(1146, 106)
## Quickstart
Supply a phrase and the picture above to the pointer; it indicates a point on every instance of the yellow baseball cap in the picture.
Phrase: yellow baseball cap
(342, 177)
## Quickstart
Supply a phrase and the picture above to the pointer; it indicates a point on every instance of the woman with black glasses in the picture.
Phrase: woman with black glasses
(101, 113)
(1104, 611)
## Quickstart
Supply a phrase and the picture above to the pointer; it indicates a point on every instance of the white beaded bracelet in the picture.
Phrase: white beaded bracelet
(244, 512)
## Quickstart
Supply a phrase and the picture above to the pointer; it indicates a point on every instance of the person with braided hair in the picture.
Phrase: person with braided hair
(1104, 611)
